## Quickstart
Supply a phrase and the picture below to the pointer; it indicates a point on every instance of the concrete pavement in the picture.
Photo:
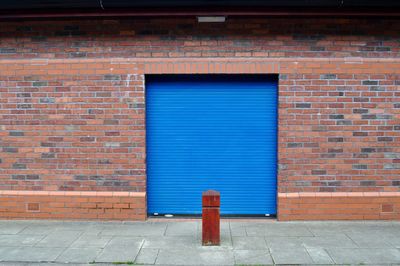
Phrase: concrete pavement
(171, 242)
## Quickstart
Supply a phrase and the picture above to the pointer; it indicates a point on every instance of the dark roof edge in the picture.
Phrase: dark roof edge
(216, 11)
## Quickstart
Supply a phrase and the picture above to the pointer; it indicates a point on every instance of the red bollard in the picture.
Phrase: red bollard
(211, 227)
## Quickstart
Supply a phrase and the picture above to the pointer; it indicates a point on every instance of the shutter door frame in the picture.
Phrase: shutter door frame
(171, 129)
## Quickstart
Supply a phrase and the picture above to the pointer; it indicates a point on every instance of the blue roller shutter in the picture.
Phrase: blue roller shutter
(211, 132)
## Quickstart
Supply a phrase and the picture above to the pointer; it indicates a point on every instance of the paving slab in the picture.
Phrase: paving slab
(329, 230)
(125, 241)
(4, 252)
(365, 256)
(370, 240)
(291, 256)
(8, 229)
(30, 254)
(182, 229)
(140, 229)
(118, 254)
(91, 241)
(172, 242)
(79, 255)
(249, 243)
(195, 257)
(59, 239)
(274, 229)
(319, 255)
(20, 240)
(238, 229)
(252, 257)
(284, 242)
(339, 240)
(393, 240)
(147, 256)
(38, 229)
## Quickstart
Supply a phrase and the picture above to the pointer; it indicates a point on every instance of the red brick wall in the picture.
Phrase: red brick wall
(184, 37)
(74, 121)
(64, 131)
(340, 132)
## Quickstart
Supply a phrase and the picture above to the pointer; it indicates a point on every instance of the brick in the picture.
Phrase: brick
(385, 139)
(32, 177)
(317, 48)
(303, 105)
(318, 172)
(294, 145)
(335, 150)
(328, 76)
(112, 133)
(360, 166)
(360, 134)
(7, 50)
(47, 144)
(112, 144)
(24, 106)
(39, 83)
(10, 150)
(384, 117)
(383, 49)
(19, 166)
(335, 139)
(48, 155)
(136, 105)
(377, 88)
(391, 166)
(368, 183)
(47, 100)
(16, 133)
(78, 54)
(369, 82)
(368, 117)
(361, 100)
(111, 122)
(368, 150)
(24, 95)
(18, 177)
(336, 116)
(112, 77)
(103, 94)
(360, 155)
(387, 208)
(87, 139)
(360, 111)
(344, 122)
(33, 207)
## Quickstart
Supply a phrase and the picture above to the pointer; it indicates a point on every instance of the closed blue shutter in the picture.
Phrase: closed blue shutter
(211, 132)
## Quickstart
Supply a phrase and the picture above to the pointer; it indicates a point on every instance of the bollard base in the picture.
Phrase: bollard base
(211, 227)
(211, 219)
